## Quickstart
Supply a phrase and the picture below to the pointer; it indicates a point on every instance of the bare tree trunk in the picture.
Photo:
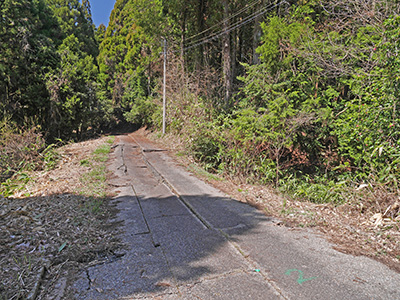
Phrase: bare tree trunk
(241, 50)
(234, 55)
(201, 11)
(226, 55)
(257, 35)
(183, 36)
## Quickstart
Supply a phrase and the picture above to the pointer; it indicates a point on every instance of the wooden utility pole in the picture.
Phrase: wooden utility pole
(164, 85)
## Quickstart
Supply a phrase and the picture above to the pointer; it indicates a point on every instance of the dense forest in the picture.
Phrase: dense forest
(301, 94)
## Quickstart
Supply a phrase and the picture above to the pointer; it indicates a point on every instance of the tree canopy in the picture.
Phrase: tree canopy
(264, 88)
(44, 46)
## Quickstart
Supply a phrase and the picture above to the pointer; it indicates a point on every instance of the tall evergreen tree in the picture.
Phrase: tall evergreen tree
(73, 90)
(26, 53)
(100, 33)
(34, 39)
(131, 43)
(75, 18)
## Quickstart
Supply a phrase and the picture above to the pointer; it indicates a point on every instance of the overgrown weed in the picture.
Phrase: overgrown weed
(22, 150)
(203, 173)
(275, 145)
(94, 181)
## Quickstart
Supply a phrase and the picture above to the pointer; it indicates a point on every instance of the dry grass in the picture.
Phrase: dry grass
(367, 224)
(19, 149)
(55, 227)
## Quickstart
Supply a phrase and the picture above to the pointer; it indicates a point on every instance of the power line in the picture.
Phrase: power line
(222, 30)
(225, 20)
(232, 27)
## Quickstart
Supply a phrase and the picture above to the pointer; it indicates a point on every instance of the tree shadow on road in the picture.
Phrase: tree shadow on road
(44, 237)
(171, 242)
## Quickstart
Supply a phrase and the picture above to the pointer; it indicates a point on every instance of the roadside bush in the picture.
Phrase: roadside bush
(19, 149)
(318, 116)
(142, 113)
(22, 150)
(207, 149)
(315, 189)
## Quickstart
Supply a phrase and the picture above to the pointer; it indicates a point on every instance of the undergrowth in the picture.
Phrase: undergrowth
(296, 145)
(94, 181)
(22, 150)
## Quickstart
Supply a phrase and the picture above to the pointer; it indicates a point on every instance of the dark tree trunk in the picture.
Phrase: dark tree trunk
(201, 12)
(183, 35)
(226, 55)
(257, 35)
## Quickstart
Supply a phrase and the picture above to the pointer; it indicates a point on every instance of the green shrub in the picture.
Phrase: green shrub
(20, 149)
(142, 112)
(207, 149)
(310, 118)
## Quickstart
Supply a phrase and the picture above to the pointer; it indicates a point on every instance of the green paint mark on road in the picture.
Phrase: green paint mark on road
(301, 278)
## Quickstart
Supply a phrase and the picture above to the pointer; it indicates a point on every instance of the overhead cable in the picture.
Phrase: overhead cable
(232, 27)
(225, 20)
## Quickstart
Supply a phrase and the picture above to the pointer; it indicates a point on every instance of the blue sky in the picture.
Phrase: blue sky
(101, 10)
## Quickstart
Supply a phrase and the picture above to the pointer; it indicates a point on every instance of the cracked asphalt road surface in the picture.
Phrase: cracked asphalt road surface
(187, 240)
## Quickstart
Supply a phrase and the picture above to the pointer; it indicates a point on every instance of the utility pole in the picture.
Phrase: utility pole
(164, 84)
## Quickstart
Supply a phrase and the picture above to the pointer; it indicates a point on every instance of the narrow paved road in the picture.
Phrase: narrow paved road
(187, 240)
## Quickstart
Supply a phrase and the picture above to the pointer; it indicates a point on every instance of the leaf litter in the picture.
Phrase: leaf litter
(55, 228)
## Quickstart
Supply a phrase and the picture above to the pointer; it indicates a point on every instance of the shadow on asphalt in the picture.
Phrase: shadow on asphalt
(168, 246)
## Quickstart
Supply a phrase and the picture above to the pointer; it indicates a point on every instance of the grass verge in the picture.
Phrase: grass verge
(94, 181)
(55, 227)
